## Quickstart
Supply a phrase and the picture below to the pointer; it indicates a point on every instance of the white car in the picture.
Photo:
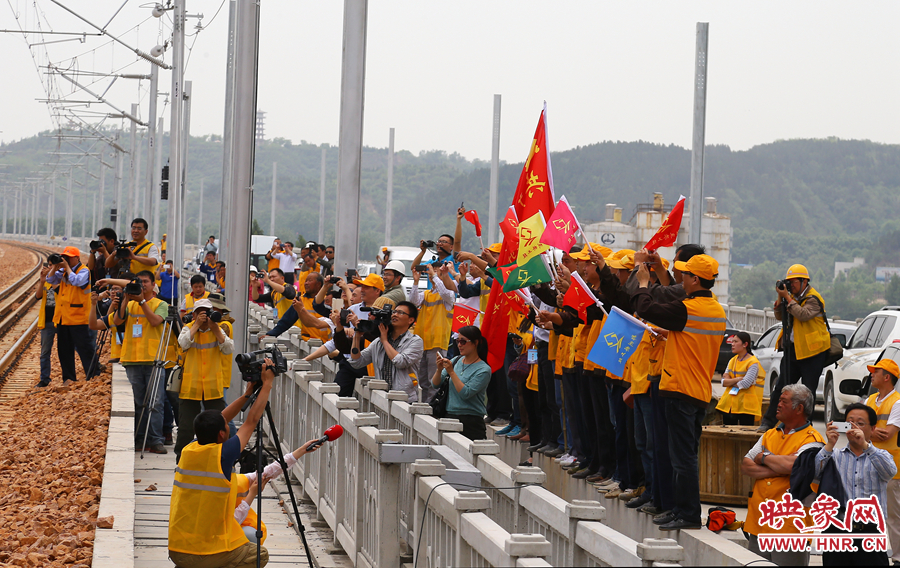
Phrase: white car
(850, 387)
(879, 330)
(770, 358)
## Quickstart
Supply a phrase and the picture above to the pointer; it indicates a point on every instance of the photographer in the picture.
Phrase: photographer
(287, 260)
(396, 353)
(71, 313)
(203, 342)
(202, 528)
(99, 254)
(168, 278)
(211, 245)
(103, 322)
(281, 295)
(807, 342)
(198, 292)
(142, 254)
(46, 293)
(312, 285)
(210, 267)
(435, 320)
(142, 318)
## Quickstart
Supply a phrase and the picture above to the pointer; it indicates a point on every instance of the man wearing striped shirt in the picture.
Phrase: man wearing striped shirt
(865, 471)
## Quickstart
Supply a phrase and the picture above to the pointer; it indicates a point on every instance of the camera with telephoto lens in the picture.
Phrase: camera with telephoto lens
(213, 316)
(123, 249)
(134, 288)
(96, 245)
(369, 327)
(54, 259)
(250, 364)
(783, 284)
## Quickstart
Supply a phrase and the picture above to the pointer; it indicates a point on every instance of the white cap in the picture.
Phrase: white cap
(253, 268)
(203, 303)
(396, 266)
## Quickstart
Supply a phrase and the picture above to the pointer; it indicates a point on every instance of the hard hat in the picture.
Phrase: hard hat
(797, 271)
(396, 266)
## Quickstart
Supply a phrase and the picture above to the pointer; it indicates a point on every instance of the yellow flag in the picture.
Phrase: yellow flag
(530, 231)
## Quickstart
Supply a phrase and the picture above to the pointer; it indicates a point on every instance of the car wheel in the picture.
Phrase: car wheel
(831, 411)
(771, 380)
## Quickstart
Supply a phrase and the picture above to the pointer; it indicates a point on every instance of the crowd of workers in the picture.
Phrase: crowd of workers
(635, 437)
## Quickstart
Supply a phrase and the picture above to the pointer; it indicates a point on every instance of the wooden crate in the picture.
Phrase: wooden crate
(721, 450)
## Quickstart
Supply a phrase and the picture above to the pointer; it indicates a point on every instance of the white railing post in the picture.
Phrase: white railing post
(579, 510)
(417, 469)
(660, 552)
(524, 475)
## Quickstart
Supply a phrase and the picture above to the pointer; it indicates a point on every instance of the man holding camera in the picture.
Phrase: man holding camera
(807, 342)
(396, 353)
(287, 260)
(46, 293)
(203, 342)
(141, 253)
(71, 315)
(202, 528)
(142, 318)
(101, 250)
(436, 317)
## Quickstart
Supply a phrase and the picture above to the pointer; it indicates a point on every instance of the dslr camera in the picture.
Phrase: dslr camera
(783, 284)
(134, 288)
(213, 316)
(96, 245)
(123, 249)
(250, 364)
(429, 244)
(54, 259)
(369, 327)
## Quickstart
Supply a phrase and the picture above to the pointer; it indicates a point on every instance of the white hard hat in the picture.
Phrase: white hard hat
(253, 268)
(396, 266)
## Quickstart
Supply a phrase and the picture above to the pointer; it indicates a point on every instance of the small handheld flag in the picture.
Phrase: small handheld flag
(463, 316)
(668, 232)
(472, 217)
(562, 227)
(619, 338)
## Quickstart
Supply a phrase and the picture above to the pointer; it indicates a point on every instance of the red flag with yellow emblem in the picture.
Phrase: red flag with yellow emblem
(668, 232)
(463, 316)
(535, 189)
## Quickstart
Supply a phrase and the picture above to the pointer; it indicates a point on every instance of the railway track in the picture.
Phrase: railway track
(18, 327)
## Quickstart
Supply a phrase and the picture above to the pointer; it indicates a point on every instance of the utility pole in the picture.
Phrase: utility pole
(353, 79)
(321, 199)
(152, 142)
(51, 209)
(227, 133)
(83, 207)
(699, 139)
(185, 142)
(5, 193)
(176, 232)
(495, 175)
(389, 208)
(274, 189)
(69, 190)
(128, 205)
(157, 177)
(115, 213)
(200, 217)
(237, 240)
(98, 212)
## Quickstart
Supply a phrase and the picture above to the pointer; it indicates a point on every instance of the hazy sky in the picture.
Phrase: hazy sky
(608, 70)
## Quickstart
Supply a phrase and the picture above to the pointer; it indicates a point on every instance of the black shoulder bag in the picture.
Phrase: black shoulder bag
(438, 402)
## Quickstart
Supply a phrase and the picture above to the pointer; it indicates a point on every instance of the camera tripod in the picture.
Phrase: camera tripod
(259, 477)
(158, 374)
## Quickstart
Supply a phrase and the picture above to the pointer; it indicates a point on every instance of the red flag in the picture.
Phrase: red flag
(561, 227)
(668, 232)
(516, 302)
(535, 189)
(463, 316)
(472, 217)
(509, 226)
(579, 297)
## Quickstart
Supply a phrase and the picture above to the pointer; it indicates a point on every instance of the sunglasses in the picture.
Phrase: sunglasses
(462, 341)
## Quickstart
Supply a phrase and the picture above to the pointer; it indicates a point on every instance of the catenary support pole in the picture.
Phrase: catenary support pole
(83, 204)
(493, 221)
(185, 143)
(152, 164)
(175, 230)
(128, 201)
(200, 238)
(698, 146)
(389, 206)
(51, 209)
(116, 212)
(274, 190)
(228, 132)
(353, 79)
(157, 180)
(321, 198)
(69, 191)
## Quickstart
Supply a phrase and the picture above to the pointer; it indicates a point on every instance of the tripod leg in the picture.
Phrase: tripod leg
(102, 336)
(287, 480)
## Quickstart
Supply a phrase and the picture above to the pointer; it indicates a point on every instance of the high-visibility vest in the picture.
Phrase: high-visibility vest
(142, 250)
(655, 355)
(312, 332)
(593, 334)
(115, 347)
(72, 302)
(746, 401)
(228, 330)
(201, 512)
(141, 349)
(434, 322)
(779, 444)
(190, 299)
(243, 489)
(483, 294)
(273, 264)
(565, 357)
(638, 368)
(883, 411)
(282, 305)
(811, 337)
(202, 375)
(691, 354)
(42, 315)
(580, 342)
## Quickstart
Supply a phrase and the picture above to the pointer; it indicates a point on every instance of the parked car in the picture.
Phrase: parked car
(770, 358)
(873, 335)
(725, 353)
(850, 387)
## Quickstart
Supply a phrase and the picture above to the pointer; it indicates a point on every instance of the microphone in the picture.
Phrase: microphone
(331, 434)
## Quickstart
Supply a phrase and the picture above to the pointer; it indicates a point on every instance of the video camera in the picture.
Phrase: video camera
(250, 364)
(369, 327)
(123, 249)
(134, 288)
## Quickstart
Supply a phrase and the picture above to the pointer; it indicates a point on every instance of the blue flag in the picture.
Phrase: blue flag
(618, 340)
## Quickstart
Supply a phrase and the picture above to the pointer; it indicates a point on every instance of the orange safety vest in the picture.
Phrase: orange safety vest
(746, 401)
(72, 302)
(312, 332)
(638, 368)
(691, 354)
(883, 411)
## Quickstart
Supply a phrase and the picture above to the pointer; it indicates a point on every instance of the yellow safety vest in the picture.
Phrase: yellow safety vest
(691, 354)
(565, 357)
(780, 444)
(142, 349)
(115, 348)
(201, 512)
(228, 330)
(142, 250)
(811, 337)
(883, 411)
(593, 334)
(746, 401)
(434, 322)
(190, 299)
(655, 355)
(638, 367)
(202, 375)
(282, 305)
(483, 295)
(243, 489)
(580, 342)
(42, 316)
(312, 332)
(72, 302)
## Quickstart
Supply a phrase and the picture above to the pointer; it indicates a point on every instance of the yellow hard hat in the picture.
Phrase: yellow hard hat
(797, 271)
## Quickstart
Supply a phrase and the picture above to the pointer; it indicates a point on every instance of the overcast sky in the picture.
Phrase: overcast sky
(608, 70)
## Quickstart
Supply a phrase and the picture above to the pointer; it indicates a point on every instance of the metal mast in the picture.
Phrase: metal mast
(227, 134)
(176, 230)
(699, 139)
(321, 199)
(495, 175)
(157, 180)
(389, 207)
(152, 163)
(274, 189)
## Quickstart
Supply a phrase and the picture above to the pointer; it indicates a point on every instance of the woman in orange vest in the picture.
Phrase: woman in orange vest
(743, 381)
(71, 315)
